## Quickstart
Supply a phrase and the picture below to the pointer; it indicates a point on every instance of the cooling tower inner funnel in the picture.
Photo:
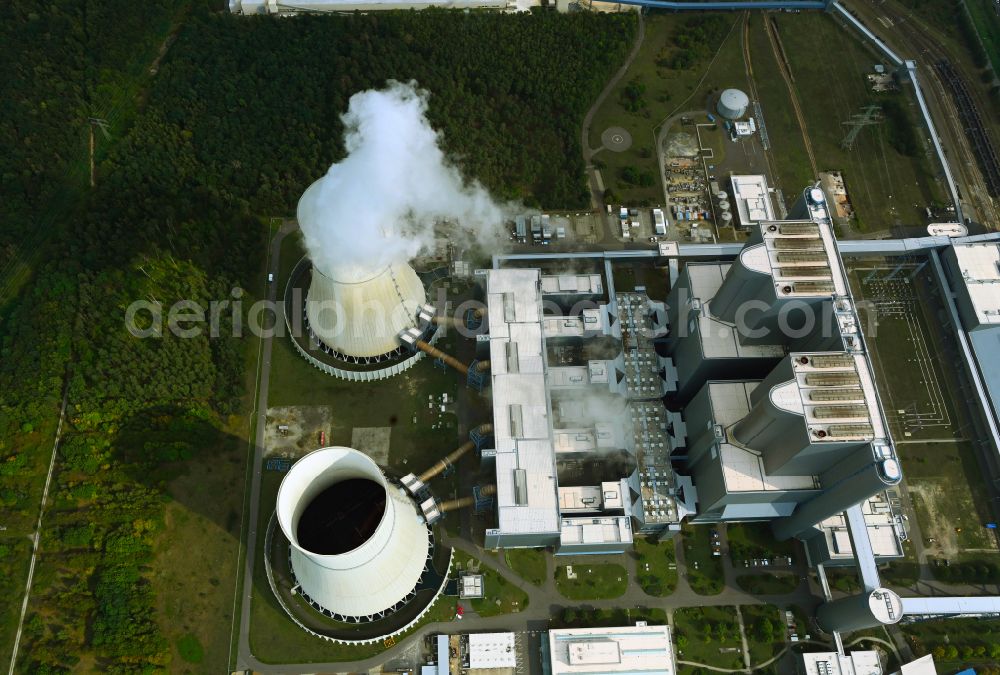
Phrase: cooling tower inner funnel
(341, 517)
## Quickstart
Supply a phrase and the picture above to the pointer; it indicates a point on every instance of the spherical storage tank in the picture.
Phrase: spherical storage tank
(358, 545)
(733, 104)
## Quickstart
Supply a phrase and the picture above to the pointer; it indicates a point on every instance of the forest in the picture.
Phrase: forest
(237, 117)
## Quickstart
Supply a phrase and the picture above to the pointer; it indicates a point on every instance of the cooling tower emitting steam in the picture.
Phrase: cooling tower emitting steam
(373, 212)
(378, 206)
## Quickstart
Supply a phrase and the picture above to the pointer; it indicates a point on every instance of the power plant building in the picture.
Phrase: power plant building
(622, 650)
(557, 415)
(753, 200)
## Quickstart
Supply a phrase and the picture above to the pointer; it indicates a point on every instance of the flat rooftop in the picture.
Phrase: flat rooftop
(492, 650)
(522, 428)
(980, 267)
(832, 663)
(628, 650)
(753, 203)
(572, 284)
(742, 469)
(882, 525)
(719, 339)
(592, 530)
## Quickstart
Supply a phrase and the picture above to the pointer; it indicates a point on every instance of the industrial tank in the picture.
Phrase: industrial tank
(358, 544)
(733, 104)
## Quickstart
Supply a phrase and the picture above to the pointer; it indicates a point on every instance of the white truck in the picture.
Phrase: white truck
(659, 222)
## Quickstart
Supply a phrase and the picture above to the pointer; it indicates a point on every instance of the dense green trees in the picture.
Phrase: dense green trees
(242, 115)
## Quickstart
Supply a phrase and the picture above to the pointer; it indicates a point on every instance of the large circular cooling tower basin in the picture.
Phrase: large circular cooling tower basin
(358, 545)
(357, 310)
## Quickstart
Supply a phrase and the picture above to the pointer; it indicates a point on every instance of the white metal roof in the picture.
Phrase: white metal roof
(880, 522)
(628, 649)
(980, 268)
(595, 530)
(492, 650)
(832, 663)
(752, 200)
(567, 284)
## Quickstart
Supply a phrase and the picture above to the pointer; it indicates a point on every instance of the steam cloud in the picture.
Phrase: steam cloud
(379, 205)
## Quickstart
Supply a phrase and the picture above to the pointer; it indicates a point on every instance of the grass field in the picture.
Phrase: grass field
(668, 91)
(771, 583)
(883, 185)
(499, 595)
(593, 581)
(529, 563)
(987, 22)
(704, 571)
(709, 635)
(656, 566)
(765, 631)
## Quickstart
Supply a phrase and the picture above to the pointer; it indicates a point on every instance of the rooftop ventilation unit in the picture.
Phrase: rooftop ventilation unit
(798, 228)
(814, 287)
(835, 431)
(805, 244)
(803, 271)
(845, 394)
(832, 379)
(840, 411)
(832, 361)
(787, 257)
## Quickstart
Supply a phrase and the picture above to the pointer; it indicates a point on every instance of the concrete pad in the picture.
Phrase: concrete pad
(373, 441)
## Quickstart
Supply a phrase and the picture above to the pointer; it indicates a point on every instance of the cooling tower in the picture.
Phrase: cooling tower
(358, 312)
(358, 546)
(361, 318)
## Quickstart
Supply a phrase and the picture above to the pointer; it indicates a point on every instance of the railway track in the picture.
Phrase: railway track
(913, 41)
(985, 153)
(786, 75)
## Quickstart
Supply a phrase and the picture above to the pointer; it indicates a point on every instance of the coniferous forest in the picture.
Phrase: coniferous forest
(215, 123)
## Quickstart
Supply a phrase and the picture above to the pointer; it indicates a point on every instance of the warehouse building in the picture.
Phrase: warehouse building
(626, 650)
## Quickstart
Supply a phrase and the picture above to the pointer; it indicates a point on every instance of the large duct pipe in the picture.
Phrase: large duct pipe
(879, 607)
(463, 502)
(357, 546)
(452, 457)
(431, 350)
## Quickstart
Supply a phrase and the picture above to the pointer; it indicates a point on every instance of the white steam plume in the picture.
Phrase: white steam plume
(379, 205)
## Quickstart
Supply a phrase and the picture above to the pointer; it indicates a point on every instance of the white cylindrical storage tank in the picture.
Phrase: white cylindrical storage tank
(724, 205)
(733, 104)
(722, 195)
(726, 217)
(358, 545)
